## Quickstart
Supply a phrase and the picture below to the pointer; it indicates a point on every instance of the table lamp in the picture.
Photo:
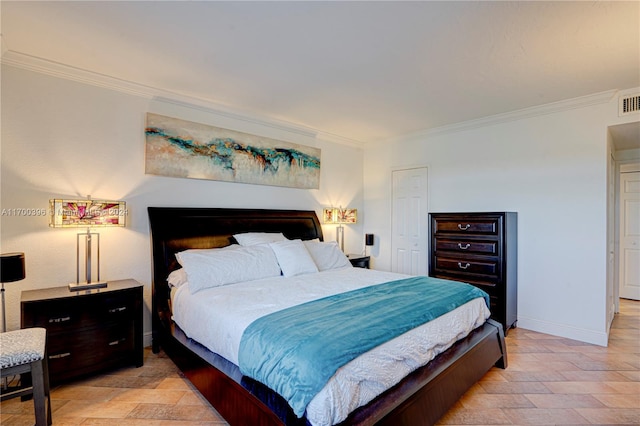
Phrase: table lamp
(87, 213)
(11, 269)
(339, 216)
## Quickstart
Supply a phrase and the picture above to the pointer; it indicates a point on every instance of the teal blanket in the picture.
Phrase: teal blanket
(296, 351)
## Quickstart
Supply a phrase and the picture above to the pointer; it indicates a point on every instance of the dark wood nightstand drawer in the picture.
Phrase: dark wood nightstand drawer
(62, 315)
(89, 350)
(117, 308)
(55, 317)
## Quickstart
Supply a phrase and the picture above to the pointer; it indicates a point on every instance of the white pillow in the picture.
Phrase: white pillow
(327, 255)
(254, 238)
(177, 278)
(229, 247)
(293, 257)
(204, 252)
(216, 267)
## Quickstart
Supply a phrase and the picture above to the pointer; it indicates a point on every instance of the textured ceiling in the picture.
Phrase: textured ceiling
(359, 70)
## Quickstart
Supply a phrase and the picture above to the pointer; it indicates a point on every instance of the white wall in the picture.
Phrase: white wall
(61, 138)
(551, 168)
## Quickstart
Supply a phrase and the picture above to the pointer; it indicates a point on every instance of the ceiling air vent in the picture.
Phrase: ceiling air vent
(629, 104)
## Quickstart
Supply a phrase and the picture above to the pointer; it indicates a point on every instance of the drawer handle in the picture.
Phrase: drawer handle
(120, 309)
(116, 342)
(465, 266)
(58, 356)
(466, 246)
(463, 228)
(61, 319)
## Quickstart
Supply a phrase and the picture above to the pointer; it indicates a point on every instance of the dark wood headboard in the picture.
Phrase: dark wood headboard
(174, 229)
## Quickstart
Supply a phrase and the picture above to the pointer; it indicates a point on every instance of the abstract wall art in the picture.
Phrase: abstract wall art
(180, 148)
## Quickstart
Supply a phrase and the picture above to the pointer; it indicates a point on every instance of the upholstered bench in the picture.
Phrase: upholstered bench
(23, 352)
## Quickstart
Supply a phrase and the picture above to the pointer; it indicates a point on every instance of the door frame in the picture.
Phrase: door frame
(613, 299)
(623, 166)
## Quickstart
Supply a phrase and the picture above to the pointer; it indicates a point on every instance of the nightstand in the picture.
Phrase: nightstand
(359, 260)
(87, 331)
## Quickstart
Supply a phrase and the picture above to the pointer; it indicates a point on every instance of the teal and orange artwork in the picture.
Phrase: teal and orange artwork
(186, 149)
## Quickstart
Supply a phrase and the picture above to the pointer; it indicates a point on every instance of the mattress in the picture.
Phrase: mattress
(217, 318)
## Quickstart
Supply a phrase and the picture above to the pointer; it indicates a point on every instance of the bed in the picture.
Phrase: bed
(422, 397)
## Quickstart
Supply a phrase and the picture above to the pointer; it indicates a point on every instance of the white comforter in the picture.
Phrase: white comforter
(217, 317)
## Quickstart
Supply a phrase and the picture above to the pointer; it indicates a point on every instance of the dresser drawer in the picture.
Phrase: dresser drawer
(55, 317)
(462, 245)
(88, 350)
(61, 315)
(467, 225)
(116, 308)
(487, 269)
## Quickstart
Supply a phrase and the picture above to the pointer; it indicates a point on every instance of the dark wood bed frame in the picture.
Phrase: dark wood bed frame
(419, 399)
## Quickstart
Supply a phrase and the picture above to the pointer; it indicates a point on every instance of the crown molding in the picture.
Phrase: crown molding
(207, 106)
(550, 108)
(56, 69)
(330, 137)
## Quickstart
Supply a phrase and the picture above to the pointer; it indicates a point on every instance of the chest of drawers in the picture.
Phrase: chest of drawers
(480, 249)
(87, 331)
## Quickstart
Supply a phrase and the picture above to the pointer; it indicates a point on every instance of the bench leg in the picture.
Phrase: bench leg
(45, 368)
(41, 398)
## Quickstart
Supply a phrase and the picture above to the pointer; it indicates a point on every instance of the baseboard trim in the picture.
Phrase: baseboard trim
(562, 330)
(146, 339)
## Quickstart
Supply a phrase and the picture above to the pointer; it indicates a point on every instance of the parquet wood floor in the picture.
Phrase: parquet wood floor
(550, 381)
(555, 381)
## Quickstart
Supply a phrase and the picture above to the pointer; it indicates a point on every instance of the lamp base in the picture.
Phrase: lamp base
(87, 286)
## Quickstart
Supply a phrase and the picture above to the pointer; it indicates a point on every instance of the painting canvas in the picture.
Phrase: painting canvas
(186, 149)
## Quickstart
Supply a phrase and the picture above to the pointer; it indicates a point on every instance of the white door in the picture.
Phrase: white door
(409, 220)
(630, 235)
